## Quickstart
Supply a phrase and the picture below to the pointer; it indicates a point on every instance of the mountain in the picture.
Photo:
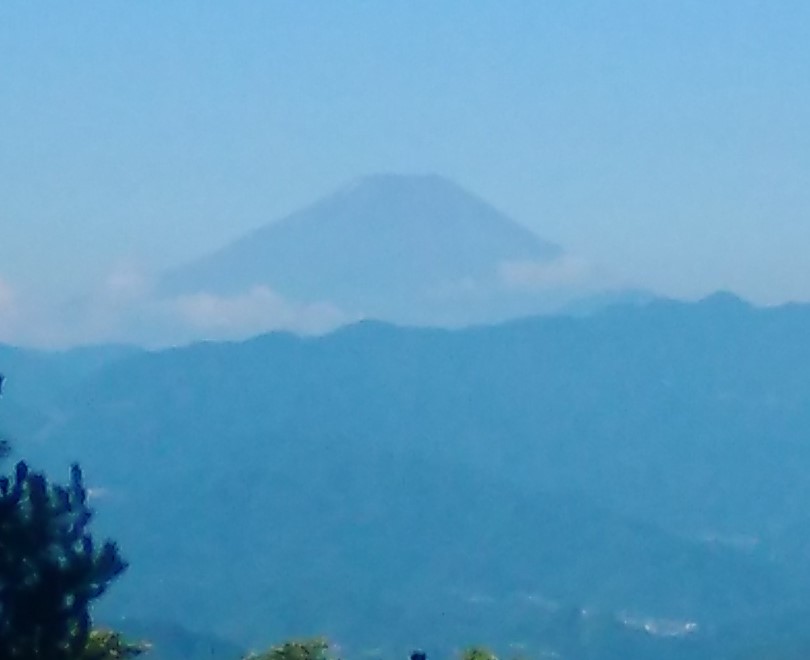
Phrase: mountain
(647, 464)
(37, 380)
(415, 249)
(382, 550)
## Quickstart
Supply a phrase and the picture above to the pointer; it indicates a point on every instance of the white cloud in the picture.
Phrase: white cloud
(126, 282)
(123, 307)
(466, 287)
(258, 310)
(117, 309)
(9, 311)
(8, 298)
(563, 272)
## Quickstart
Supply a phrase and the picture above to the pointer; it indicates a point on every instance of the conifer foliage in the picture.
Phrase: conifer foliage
(50, 567)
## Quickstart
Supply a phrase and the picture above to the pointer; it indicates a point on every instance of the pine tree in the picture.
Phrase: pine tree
(50, 567)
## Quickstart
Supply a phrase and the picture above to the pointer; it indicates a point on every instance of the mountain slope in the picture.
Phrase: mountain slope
(273, 538)
(423, 474)
(393, 247)
(36, 380)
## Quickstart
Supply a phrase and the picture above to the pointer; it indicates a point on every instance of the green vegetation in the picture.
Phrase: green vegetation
(478, 653)
(304, 649)
(110, 645)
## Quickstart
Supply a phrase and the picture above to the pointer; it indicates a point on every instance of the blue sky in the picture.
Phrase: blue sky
(668, 142)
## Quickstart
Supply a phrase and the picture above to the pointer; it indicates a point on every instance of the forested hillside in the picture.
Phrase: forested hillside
(547, 483)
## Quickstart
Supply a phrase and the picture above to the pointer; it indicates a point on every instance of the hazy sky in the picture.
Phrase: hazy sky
(666, 141)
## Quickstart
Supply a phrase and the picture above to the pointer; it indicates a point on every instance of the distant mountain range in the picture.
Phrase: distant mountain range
(635, 477)
(407, 249)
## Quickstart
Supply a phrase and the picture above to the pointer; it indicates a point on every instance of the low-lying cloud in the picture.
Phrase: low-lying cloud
(563, 272)
(124, 308)
(257, 310)
(9, 311)
(6, 296)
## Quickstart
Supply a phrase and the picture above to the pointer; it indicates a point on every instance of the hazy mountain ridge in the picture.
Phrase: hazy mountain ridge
(403, 458)
(445, 553)
(415, 249)
(39, 383)
(409, 229)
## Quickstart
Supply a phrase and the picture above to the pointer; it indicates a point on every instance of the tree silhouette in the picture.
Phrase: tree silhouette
(50, 568)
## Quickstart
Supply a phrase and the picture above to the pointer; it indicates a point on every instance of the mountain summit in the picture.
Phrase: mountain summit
(400, 248)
